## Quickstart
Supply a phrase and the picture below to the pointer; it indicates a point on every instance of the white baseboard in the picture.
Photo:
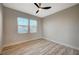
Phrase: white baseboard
(19, 42)
(62, 44)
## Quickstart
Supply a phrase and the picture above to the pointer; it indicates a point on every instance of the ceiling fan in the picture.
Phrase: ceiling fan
(38, 5)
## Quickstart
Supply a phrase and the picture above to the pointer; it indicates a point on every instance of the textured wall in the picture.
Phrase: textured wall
(1, 24)
(63, 27)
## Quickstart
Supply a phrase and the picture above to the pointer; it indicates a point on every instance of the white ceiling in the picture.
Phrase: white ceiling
(30, 8)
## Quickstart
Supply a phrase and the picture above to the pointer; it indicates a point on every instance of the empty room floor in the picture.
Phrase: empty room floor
(39, 47)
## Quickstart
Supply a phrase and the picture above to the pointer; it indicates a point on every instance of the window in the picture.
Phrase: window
(26, 26)
(22, 25)
(33, 26)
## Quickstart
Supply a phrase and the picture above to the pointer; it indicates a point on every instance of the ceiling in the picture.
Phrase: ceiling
(30, 8)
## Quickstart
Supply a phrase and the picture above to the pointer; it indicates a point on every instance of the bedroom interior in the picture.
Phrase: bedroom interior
(39, 28)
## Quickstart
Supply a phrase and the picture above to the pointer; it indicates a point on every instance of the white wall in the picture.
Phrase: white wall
(0, 27)
(63, 27)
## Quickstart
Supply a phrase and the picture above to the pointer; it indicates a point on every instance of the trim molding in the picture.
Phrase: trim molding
(19, 42)
(63, 44)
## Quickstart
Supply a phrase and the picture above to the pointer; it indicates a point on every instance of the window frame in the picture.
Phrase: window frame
(36, 27)
(28, 26)
(22, 25)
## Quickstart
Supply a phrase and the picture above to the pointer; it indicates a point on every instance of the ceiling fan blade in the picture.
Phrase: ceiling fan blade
(45, 7)
(36, 5)
(37, 11)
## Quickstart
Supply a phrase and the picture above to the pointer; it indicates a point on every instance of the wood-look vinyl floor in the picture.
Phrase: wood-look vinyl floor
(39, 47)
